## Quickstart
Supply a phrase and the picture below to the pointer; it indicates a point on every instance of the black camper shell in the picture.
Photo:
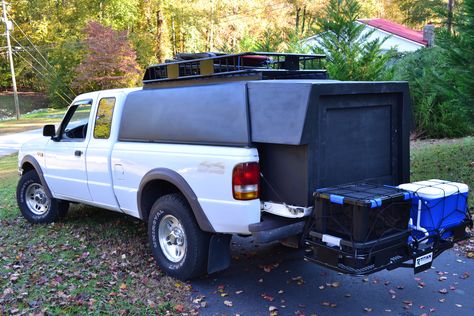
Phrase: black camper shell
(310, 133)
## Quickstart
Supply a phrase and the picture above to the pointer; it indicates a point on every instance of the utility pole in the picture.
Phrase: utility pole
(8, 26)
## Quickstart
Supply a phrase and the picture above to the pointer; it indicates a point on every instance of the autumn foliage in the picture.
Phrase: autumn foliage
(109, 62)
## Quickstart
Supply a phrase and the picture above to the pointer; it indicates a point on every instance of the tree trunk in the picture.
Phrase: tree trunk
(159, 36)
(450, 15)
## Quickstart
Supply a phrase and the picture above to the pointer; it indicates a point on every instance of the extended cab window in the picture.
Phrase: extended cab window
(103, 119)
(75, 124)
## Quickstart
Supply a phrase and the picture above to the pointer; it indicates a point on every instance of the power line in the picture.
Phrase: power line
(28, 39)
(61, 95)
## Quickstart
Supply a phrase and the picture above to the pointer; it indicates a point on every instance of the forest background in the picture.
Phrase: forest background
(65, 47)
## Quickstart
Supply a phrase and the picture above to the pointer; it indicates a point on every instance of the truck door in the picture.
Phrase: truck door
(99, 152)
(65, 154)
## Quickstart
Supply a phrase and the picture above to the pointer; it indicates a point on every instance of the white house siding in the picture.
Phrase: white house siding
(401, 44)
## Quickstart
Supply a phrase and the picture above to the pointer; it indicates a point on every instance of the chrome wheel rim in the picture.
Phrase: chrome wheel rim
(172, 238)
(36, 199)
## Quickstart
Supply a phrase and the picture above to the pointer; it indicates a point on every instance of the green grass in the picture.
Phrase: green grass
(94, 262)
(447, 161)
(31, 121)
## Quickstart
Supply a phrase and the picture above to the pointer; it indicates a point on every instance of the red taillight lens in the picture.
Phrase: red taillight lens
(246, 181)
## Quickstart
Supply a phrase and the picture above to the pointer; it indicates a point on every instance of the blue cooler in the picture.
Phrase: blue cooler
(441, 204)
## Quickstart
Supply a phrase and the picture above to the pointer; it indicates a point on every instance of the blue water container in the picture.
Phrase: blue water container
(441, 204)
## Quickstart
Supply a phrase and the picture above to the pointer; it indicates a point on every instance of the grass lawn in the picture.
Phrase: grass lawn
(452, 161)
(31, 121)
(94, 262)
(98, 262)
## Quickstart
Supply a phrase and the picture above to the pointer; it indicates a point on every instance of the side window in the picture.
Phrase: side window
(75, 128)
(103, 119)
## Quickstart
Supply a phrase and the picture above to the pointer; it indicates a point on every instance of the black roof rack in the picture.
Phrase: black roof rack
(217, 67)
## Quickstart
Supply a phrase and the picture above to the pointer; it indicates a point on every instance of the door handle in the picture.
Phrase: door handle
(78, 153)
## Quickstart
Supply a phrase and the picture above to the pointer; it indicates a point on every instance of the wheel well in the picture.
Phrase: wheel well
(27, 167)
(151, 192)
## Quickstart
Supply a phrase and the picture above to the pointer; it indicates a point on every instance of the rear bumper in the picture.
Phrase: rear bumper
(273, 228)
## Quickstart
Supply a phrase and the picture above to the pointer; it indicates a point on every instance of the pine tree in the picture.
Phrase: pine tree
(351, 55)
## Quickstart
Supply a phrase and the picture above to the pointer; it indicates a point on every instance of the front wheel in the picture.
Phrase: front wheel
(177, 243)
(35, 205)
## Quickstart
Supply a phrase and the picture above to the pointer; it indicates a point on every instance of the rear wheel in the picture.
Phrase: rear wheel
(178, 245)
(34, 203)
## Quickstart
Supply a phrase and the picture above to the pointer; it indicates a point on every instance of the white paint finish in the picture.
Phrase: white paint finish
(212, 186)
(231, 216)
(11, 143)
(65, 172)
(99, 152)
(108, 173)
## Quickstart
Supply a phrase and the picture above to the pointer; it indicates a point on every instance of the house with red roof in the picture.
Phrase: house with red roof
(400, 37)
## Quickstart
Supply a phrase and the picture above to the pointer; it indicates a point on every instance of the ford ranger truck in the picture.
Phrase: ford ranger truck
(237, 148)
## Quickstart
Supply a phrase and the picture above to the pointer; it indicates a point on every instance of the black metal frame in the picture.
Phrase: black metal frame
(388, 253)
(277, 65)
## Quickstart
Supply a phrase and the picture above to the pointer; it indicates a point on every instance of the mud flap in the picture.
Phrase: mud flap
(219, 253)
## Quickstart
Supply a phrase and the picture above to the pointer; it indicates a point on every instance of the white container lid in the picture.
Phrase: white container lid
(435, 188)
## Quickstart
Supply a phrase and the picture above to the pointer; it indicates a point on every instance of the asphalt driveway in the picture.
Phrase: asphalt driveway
(273, 279)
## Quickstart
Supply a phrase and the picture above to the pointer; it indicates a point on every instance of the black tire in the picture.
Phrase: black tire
(34, 203)
(192, 261)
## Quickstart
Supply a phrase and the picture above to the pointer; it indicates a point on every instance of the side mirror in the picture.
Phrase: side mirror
(49, 130)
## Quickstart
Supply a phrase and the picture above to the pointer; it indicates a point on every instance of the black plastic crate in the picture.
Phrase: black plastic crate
(361, 212)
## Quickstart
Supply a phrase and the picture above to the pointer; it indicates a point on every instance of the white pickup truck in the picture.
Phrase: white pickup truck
(202, 160)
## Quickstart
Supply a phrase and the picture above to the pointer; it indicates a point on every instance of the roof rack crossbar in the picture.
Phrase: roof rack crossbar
(192, 66)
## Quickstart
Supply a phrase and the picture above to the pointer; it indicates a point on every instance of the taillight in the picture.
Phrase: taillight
(246, 181)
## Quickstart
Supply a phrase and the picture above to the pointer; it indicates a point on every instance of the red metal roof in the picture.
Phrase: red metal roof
(396, 29)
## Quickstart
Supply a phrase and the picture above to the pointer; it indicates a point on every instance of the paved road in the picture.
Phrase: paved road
(296, 287)
(10, 143)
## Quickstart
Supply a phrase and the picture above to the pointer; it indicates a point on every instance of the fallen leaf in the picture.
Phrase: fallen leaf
(267, 297)
(179, 308)
(123, 286)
